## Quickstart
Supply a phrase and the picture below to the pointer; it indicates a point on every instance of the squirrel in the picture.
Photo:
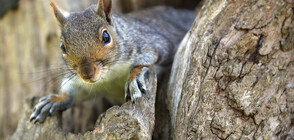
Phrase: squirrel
(110, 53)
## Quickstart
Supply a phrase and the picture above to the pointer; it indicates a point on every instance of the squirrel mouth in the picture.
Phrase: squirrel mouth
(92, 81)
(88, 80)
(88, 72)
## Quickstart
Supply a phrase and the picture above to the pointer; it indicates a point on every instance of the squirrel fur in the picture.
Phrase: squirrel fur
(109, 53)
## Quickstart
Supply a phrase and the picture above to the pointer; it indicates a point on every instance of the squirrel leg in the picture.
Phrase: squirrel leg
(135, 85)
(48, 105)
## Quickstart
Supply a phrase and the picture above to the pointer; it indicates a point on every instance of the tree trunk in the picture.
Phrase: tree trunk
(233, 76)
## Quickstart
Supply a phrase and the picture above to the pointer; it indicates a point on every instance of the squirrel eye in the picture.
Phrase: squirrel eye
(62, 48)
(105, 38)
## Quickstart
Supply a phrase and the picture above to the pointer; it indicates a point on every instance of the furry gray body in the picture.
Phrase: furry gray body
(142, 36)
(138, 40)
(159, 28)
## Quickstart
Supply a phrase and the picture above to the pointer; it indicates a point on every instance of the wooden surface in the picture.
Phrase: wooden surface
(233, 76)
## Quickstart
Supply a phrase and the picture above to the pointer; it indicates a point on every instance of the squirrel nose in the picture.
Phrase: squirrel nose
(87, 71)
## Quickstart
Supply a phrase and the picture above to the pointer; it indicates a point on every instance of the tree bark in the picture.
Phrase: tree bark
(233, 76)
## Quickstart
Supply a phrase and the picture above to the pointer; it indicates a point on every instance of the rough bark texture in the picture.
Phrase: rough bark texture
(233, 77)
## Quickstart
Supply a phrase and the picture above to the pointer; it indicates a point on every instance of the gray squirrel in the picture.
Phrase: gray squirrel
(110, 53)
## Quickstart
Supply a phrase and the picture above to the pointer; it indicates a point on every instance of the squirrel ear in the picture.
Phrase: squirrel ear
(104, 9)
(58, 14)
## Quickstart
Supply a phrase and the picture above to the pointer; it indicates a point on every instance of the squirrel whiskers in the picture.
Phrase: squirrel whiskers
(109, 54)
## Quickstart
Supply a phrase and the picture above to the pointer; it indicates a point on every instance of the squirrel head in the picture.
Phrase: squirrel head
(88, 43)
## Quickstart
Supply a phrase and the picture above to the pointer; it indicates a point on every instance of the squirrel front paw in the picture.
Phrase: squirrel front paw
(48, 105)
(135, 85)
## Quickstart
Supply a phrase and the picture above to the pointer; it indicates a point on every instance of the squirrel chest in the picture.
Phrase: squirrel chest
(112, 86)
(109, 54)
(148, 37)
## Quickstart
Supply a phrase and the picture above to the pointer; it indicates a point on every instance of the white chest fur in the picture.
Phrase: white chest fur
(111, 85)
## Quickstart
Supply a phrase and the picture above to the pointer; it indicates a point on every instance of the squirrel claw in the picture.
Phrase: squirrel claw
(136, 87)
(127, 94)
(32, 118)
(47, 107)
